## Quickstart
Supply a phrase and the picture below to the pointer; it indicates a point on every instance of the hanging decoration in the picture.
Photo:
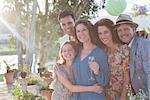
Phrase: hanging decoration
(141, 10)
(115, 7)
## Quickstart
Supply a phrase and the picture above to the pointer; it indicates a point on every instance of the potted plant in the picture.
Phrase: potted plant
(41, 71)
(46, 92)
(9, 75)
(23, 74)
(20, 95)
(32, 82)
(24, 71)
(48, 75)
(17, 92)
(28, 96)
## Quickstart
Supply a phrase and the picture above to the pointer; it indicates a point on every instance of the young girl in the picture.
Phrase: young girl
(63, 87)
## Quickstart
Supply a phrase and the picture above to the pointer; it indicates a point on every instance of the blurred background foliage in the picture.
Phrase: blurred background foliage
(36, 22)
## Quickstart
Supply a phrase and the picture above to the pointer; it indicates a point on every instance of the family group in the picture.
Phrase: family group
(101, 61)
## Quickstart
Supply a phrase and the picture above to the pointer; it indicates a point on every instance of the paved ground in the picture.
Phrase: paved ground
(4, 94)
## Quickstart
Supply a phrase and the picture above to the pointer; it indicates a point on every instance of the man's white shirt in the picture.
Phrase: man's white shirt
(130, 44)
(63, 39)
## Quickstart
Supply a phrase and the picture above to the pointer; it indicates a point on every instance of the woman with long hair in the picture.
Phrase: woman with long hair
(118, 59)
(90, 66)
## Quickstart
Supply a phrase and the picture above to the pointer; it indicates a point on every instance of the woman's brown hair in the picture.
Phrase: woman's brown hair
(110, 25)
(90, 27)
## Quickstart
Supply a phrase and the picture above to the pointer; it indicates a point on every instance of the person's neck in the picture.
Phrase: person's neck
(88, 46)
(112, 47)
(68, 67)
(130, 42)
(71, 36)
(68, 64)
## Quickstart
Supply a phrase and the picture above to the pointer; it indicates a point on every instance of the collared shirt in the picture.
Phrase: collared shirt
(63, 39)
(66, 38)
(130, 44)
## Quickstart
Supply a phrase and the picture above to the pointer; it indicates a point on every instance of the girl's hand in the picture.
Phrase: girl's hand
(123, 98)
(94, 66)
(97, 88)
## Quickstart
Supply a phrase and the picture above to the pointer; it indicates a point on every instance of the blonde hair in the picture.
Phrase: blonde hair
(73, 44)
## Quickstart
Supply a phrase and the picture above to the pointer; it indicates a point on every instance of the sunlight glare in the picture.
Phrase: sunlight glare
(14, 32)
(1, 4)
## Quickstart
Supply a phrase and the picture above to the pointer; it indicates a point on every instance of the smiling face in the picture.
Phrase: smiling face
(125, 33)
(104, 35)
(68, 53)
(82, 33)
(67, 24)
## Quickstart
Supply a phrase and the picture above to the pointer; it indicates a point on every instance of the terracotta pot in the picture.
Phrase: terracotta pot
(9, 77)
(47, 94)
(41, 74)
(23, 74)
(47, 74)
